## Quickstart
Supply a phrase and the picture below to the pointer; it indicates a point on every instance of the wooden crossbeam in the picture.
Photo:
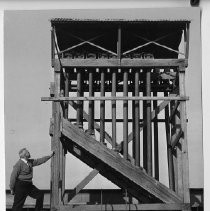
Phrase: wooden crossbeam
(176, 138)
(174, 111)
(119, 207)
(57, 99)
(66, 62)
(82, 184)
(138, 180)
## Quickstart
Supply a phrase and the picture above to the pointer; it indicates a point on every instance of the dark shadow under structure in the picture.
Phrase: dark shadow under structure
(136, 67)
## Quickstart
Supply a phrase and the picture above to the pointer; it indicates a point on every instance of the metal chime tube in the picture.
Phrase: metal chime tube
(125, 114)
(102, 107)
(137, 117)
(149, 129)
(79, 103)
(114, 86)
(156, 141)
(91, 105)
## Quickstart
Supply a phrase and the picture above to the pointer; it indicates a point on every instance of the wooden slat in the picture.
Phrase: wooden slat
(181, 98)
(122, 167)
(82, 184)
(120, 207)
(122, 63)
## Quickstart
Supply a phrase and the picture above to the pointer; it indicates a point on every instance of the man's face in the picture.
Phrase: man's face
(27, 154)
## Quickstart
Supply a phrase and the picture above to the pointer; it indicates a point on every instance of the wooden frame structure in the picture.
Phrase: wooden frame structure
(142, 82)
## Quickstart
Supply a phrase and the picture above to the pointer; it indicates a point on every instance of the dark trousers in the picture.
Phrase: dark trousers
(24, 189)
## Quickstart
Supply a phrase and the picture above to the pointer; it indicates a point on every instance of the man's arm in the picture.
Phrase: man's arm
(39, 161)
(14, 175)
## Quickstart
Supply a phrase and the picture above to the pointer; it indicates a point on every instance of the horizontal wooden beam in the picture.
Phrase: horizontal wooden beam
(181, 98)
(119, 207)
(122, 63)
(122, 168)
(117, 120)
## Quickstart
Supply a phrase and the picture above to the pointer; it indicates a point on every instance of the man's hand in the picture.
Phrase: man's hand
(53, 152)
(12, 192)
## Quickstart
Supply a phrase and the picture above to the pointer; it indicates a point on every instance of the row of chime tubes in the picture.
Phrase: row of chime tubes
(154, 79)
(102, 55)
(136, 113)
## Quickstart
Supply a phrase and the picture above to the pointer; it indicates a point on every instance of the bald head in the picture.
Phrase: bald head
(24, 153)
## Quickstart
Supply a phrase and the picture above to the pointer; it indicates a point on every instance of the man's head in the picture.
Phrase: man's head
(24, 153)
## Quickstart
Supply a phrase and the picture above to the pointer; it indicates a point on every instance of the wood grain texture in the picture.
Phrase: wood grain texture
(122, 62)
(123, 168)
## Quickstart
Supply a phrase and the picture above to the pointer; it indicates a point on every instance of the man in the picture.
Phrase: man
(21, 184)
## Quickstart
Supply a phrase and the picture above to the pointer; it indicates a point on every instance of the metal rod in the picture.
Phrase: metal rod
(133, 124)
(114, 128)
(79, 94)
(125, 114)
(156, 141)
(102, 107)
(149, 128)
(137, 117)
(91, 105)
(145, 131)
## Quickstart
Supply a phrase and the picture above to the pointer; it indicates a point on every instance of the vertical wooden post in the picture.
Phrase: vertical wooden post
(114, 128)
(63, 150)
(149, 129)
(183, 139)
(137, 117)
(55, 144)
(91, 105)
(156, 140)
(102, 107)
(125, 114)
(79, 103)
(169, 149)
